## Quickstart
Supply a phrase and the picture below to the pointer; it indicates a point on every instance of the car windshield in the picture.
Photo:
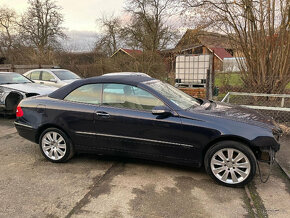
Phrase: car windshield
(65, 74)
(13, 78)
(178, 97)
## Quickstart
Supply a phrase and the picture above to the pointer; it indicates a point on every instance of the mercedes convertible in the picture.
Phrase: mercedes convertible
(136, 116)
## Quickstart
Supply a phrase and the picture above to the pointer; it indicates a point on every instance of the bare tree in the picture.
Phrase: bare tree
(259, 31)
(41, 26)
(110, 40)
(7, 31)
(148, 29)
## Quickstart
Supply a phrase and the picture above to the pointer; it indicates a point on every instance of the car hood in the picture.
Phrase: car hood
(236, 113)
(30, 88)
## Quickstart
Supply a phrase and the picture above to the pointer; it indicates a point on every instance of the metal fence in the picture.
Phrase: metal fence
(234, 91)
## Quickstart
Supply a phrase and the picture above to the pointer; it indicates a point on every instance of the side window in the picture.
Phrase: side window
(131, 97)
(90, 94)
(46, 76)
(28, 76)
(35, 75)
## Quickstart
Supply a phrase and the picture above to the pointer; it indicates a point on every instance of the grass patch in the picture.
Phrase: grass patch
(231, 79)
(257, 201)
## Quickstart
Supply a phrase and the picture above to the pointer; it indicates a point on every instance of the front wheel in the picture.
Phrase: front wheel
(55, 145)
(230, 163)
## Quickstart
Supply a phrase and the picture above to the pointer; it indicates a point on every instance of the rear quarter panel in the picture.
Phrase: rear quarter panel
(44, 112)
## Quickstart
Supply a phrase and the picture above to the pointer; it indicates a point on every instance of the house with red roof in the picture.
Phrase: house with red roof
(193, 42)
(130, 52)
(199, 42)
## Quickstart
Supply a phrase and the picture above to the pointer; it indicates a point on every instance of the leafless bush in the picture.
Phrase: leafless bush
(259, 32)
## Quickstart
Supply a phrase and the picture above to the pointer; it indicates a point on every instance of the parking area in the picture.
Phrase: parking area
(98, 186)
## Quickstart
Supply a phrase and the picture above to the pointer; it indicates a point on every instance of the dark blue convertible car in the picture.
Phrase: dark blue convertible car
(134, 115)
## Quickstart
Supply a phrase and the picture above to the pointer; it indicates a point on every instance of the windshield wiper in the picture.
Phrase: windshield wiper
(200, 103)
(192, 106)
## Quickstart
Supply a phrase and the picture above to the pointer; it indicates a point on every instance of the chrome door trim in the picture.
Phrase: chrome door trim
(134, 138)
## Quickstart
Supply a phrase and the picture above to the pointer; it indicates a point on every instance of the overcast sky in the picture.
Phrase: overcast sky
(79, 19)
(79, 15)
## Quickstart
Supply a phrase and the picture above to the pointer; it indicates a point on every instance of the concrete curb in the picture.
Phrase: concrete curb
(283, 168)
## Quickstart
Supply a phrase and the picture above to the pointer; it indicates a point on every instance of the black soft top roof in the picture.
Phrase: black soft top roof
(123, 79)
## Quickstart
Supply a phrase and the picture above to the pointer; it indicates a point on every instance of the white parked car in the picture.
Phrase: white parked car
(52, 77)
(14, 87)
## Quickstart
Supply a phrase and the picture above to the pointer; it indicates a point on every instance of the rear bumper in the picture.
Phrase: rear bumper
(26, 131)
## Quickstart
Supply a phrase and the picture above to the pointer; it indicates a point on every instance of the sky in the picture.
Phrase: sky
(79, 18)
(79, 15)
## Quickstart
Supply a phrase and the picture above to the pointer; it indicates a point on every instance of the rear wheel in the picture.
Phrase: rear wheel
(230, 163)
(55, 145)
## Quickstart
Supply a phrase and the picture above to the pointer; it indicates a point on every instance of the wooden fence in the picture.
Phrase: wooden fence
(22, 68)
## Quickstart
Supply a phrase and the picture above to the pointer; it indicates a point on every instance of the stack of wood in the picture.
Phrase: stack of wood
(195, 92)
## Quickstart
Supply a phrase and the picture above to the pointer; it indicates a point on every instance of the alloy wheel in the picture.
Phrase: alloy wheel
(230, 166)
(53, 145)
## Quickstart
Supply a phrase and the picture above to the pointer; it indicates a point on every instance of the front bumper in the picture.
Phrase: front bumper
(4, 111)
(26, 131)
(264, 143)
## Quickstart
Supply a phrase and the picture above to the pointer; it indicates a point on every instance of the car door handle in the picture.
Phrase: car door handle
(41, 82)
(102, 114)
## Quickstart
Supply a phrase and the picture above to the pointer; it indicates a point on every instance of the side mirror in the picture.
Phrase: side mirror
(53, 80)
(161, 111)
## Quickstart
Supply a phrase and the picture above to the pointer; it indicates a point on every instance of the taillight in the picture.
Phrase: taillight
(19, 111)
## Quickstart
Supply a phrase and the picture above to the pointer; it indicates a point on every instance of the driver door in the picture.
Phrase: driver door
(125, 123)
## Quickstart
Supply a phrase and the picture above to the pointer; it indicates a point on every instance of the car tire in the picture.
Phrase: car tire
(55, 145)
(230, 163)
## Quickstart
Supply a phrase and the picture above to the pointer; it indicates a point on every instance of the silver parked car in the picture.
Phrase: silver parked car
(14, 87)
(52, 77)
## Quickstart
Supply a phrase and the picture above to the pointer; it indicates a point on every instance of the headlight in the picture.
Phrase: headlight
(2, 94)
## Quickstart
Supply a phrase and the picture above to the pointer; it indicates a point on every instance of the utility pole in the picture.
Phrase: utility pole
(209, 79)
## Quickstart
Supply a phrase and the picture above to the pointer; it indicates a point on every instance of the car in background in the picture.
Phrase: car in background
(52, 77)
(14, 87)
(142, 117)
(126, 74)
